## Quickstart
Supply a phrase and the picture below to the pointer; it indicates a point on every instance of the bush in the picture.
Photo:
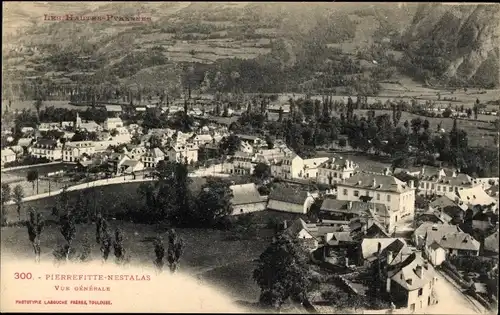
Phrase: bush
(447, 113)
(264, 190)
(273, 223)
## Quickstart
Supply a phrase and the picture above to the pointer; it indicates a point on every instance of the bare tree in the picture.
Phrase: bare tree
(160, 254)
(18, 199)
(35, 226)
(106, 244)
(68, 230)
(175, 249)
(118, 246)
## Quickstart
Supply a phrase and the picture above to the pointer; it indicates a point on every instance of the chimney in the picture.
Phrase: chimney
(374, 183)
(388, 285)
(419, 271)
(347, 262)
(284, 225)
(379, 247)
(349, 205)
(422, 171)
(411, 183)
(389, 257)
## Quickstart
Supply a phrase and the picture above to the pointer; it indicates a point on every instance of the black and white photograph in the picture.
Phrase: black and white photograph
(250, 157)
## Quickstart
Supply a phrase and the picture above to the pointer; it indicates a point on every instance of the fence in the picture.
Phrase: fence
(480, 299)
(28, 166)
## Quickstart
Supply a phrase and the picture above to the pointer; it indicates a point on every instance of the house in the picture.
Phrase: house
(448, 210)
(310, 167)
(90, 126)
(484, 220)
(269, 156)
(246, 199)
(373, 248)
(373, 229)
(114, 109)
(397, 196)
(455, 243)
(245, 147)
(491, 244)
(436, 254)
(419, 237)
(301, 230)
(288, 199)
(183, 153)
(137, 152)
(475, 196)
(101, 146)
(131, 166)
(115, 162)
(208, 151)
(333, 209)
(72, 151)
(8, 156)
(152, 157)
(240, 163)
(440, 185)
(27, 130)
(411, 282)
(49, 126)
(419, 234)
(112, 123)
(334, 170)
(493, 191)
(202, 139)
(47, 148)
(252, 140)
(18, 150)
(291, 166)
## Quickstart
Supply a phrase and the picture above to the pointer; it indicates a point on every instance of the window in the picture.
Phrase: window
(412, 307)
(335, 175)
(345, 192)
(450, 189)
(422, 185)
(432, 186)
(388, 197)
(439, 188)
(426, 185)
(420, 291)
(378, 196)
(356, 193)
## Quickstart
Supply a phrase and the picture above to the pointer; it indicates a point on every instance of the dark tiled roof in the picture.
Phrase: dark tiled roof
(245, 194)
(382, 182)
(288, 194)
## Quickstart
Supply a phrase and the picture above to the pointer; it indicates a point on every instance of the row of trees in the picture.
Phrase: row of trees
(169, 199)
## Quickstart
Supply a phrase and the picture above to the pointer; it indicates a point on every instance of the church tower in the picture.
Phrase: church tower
(78, 122)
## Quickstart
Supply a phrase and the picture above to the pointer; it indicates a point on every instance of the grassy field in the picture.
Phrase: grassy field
(480, 133)
(208, 254)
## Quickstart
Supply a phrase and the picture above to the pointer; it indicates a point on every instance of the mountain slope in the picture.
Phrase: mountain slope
(467, 39)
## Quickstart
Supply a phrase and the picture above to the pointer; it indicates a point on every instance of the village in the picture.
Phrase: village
(400, 238)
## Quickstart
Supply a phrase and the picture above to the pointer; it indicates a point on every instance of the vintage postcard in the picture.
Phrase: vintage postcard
(266, 157)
